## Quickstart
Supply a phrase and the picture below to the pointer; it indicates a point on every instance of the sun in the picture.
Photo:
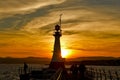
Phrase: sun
(65, 53)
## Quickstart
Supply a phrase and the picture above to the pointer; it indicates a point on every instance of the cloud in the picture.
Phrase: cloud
(19, 20)
(87, 25)
(109, 47)
(74, 13)
(21, 5)
(94, 34)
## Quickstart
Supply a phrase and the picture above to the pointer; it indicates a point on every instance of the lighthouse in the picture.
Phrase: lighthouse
(57, 60)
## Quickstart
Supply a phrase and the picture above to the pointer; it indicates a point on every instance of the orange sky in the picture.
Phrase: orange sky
(89, 28)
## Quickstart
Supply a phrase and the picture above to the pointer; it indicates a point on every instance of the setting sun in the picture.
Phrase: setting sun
(65, 53)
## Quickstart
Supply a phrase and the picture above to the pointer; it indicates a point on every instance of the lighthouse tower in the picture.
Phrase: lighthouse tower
(57, 60)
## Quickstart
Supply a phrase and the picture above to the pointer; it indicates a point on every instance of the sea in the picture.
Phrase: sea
(11, 71)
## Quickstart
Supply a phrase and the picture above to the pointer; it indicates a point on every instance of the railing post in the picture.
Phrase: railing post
(100, 74)
(91, 72)
(29, 69)
(96, 74)
(104, 74)
(19, 71)
(110, 75)
(117, 75)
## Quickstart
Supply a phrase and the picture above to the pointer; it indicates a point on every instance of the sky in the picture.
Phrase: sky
(89, 27)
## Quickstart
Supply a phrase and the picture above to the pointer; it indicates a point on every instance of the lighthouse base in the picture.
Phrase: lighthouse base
(56, 65)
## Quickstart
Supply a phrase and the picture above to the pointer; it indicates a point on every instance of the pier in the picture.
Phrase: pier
(51, 74)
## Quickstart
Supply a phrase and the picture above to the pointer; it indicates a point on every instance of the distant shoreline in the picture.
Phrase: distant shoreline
(101, 61)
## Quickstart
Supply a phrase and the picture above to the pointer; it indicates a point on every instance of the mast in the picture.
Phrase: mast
(60, 19)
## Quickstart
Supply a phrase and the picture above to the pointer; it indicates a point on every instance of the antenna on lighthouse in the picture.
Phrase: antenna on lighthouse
(60, 19)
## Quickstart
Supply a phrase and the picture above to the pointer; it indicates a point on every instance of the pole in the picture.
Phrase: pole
(60, 19)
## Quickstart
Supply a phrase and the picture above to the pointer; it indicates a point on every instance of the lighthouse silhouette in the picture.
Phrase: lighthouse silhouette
(57, 60)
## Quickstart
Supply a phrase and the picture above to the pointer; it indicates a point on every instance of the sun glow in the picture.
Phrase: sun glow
(65, 53)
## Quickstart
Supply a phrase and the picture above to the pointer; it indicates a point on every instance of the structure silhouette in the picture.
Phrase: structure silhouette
(57, 60)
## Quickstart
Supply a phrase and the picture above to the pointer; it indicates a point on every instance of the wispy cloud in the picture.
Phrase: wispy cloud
(21, 5)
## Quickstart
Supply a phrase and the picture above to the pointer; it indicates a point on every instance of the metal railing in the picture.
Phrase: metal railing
(102, 74)
(21, 70)
(56, 76)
